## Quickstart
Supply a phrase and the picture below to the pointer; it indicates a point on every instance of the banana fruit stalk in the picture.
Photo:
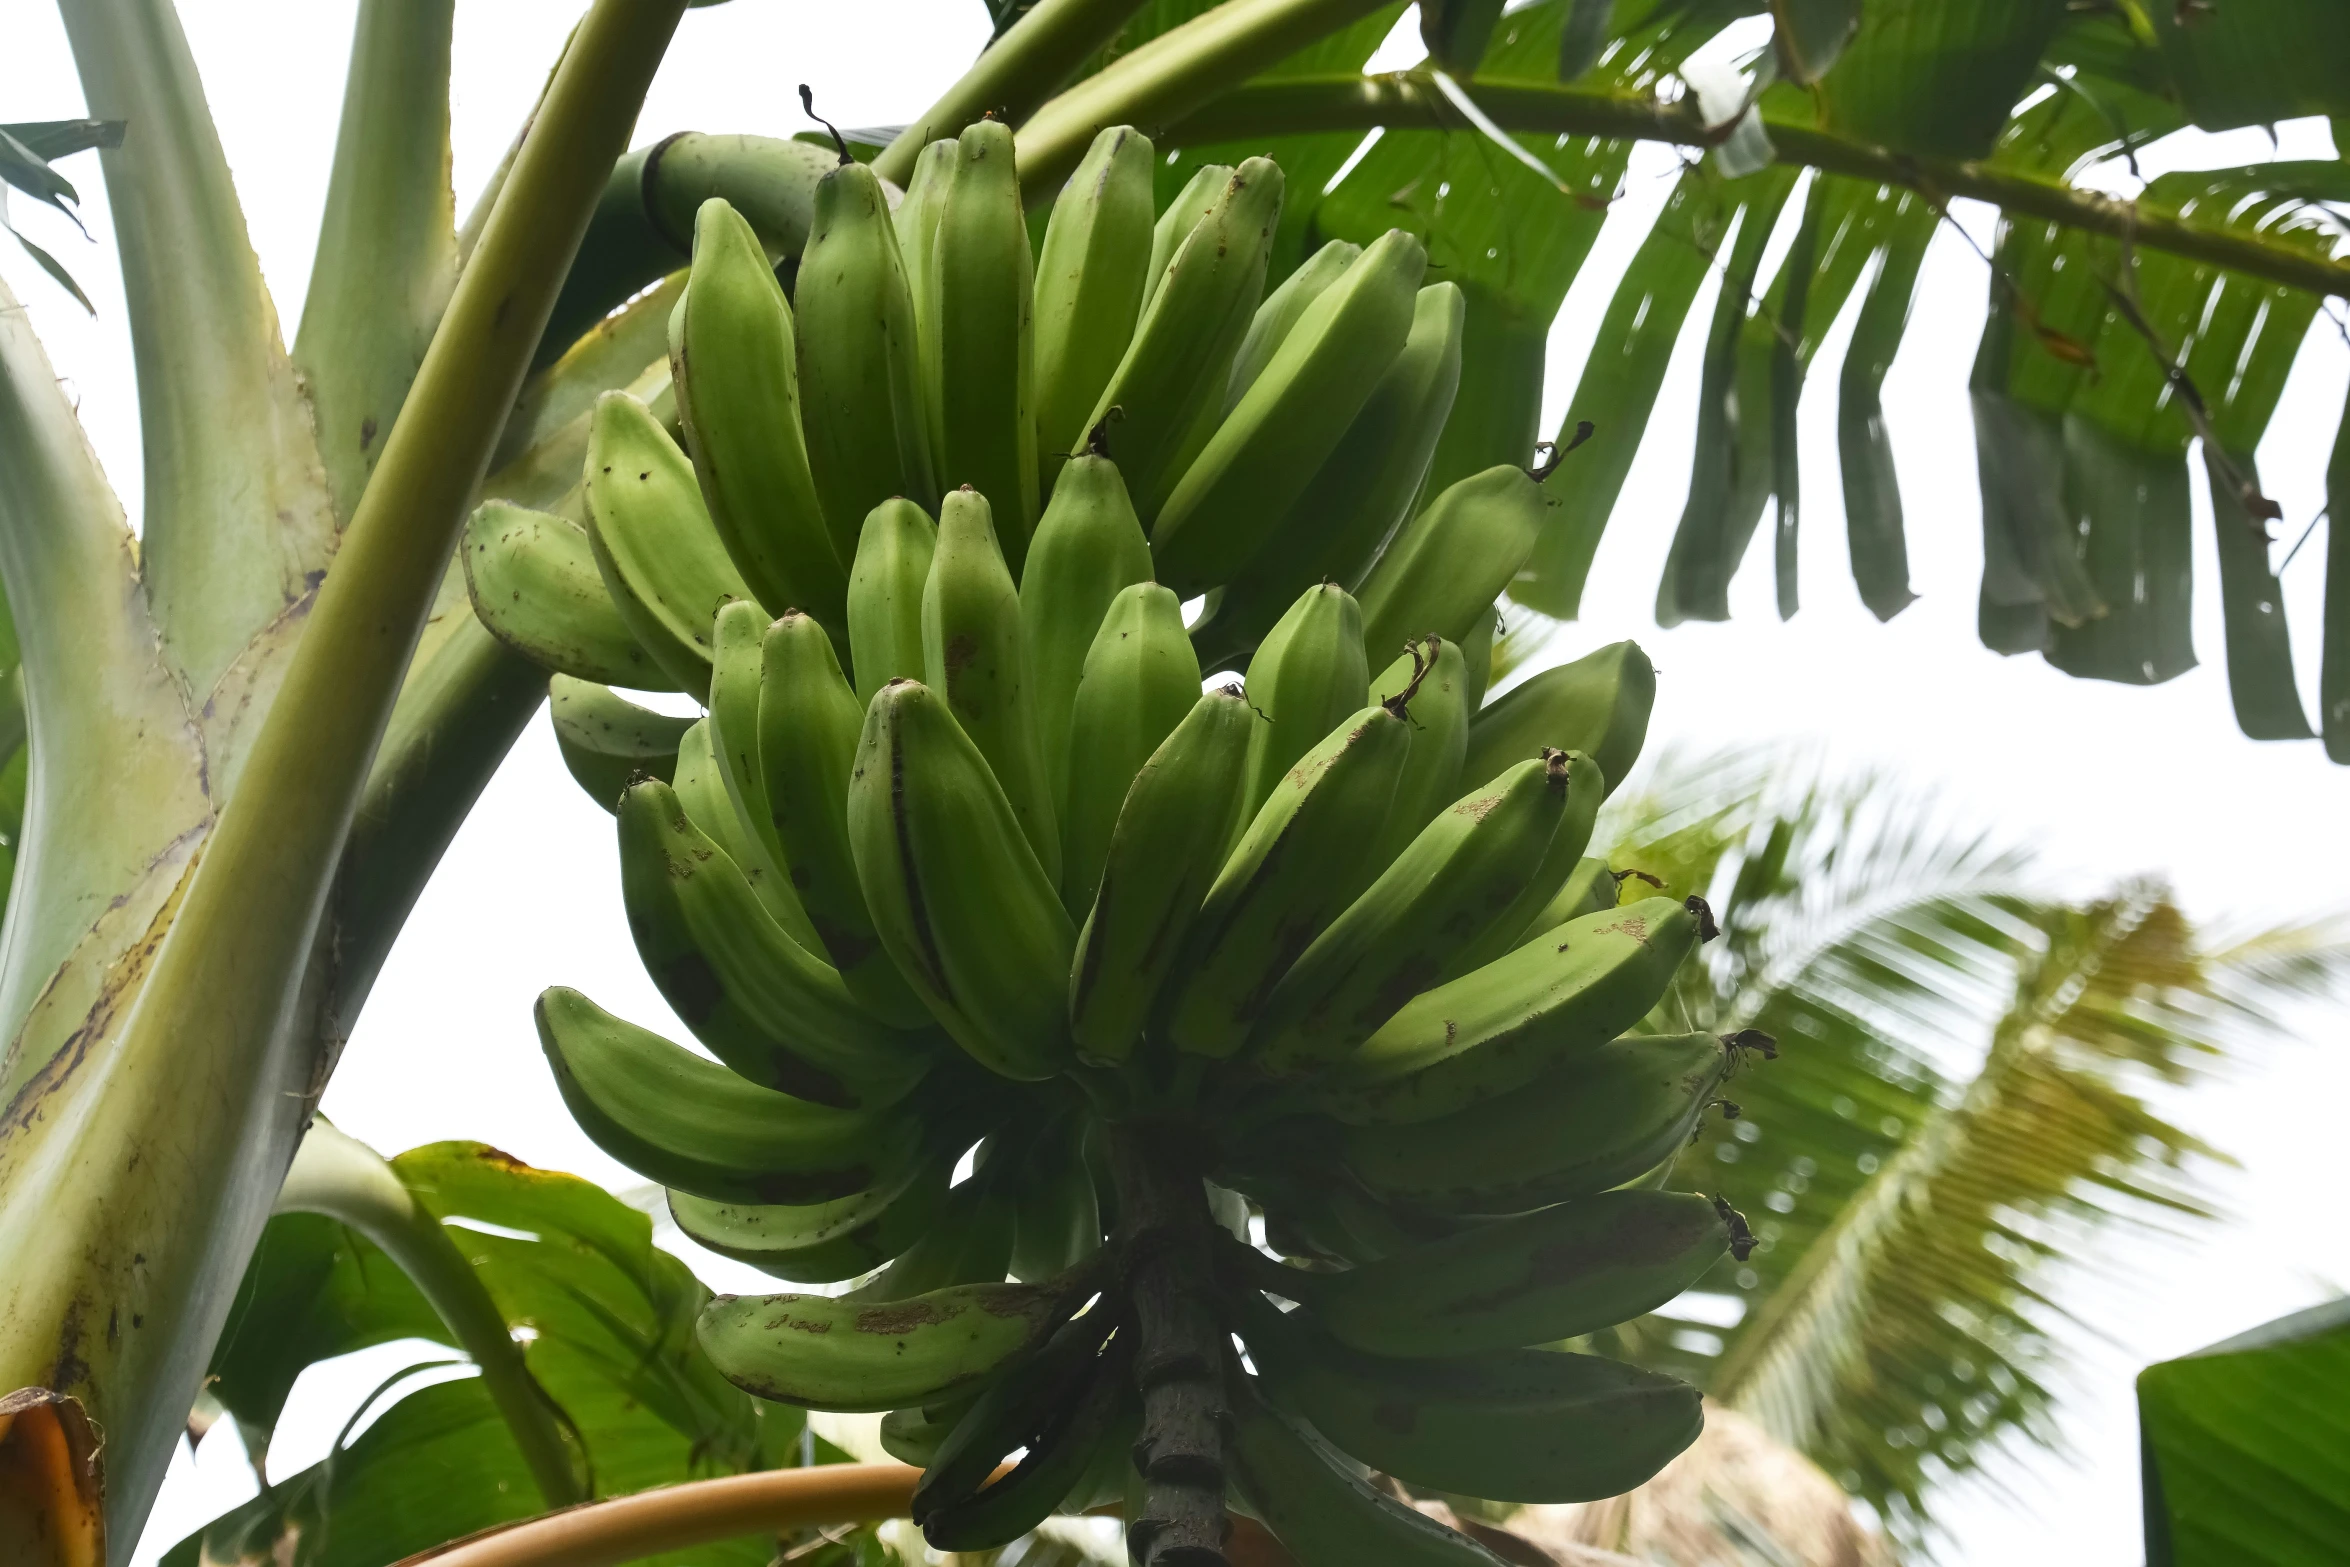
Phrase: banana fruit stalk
(963, 872)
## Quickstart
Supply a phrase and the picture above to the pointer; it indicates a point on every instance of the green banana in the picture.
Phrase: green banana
(1322, 1509)
(1599, 705)
(1169, 386)
(983, 356)
(762, 1004)
(916, 223)
(734, 365)
(957, 896)
(1062, 1458)
(1014, 1410)
(1306, 677)
(1492, 1031)
(701, 790)
(1278, 316)
(1172, 833)
(1433, 672)
(533, 579)
(1477, 654)
(738, 635)
(1592, 885)
(1595, 1121)
(970, 1244)
(607, 740)
(822, 1243)
(975, 655)
(809, 721)
(1300, 864)
(1088, 546)
(885, 596)
(1057, 1217)
(1462, 872)
(860, 364)
(1141, 680)
(1261, 457)
(695, 1126)
(1090, 277)
(1185, 213)
(1519, 1425)
(1364, 488)
(654, 545)
(1528, 912)
(823, 1352)
(1451, 562)
(1535, 1278)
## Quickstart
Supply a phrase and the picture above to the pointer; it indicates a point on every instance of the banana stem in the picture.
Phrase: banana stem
(347, 1181)
(1170, 76)
(700, 1512)
(1179, 1351)
(1016, 73)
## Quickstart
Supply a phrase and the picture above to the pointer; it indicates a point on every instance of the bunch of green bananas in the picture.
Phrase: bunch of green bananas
(1037, 970)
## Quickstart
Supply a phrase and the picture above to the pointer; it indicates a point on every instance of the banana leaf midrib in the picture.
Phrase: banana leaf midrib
(1412, 100)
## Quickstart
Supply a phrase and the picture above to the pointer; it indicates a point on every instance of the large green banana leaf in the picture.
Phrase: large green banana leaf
(2247, 1446)
(2121, 339)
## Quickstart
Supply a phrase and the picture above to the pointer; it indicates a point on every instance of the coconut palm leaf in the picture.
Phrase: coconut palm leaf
(2118, 335)
(1910, 1190)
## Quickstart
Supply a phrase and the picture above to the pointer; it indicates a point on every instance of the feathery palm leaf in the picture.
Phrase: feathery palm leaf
(1911, 1190)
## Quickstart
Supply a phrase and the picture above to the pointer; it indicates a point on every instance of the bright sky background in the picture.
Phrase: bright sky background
(2108, 782)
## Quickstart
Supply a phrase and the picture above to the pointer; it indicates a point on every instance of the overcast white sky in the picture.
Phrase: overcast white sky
(2108, 781)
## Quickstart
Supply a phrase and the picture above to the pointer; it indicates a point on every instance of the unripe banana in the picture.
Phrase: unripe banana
(1173, 831)
(916, 222)
(1260, 459)
(1364, 489)
(1090, 278)
(1433, 672)
(533, 579)
(1057, 1219)
(1597, 1120)
(1300, 863)
(985, 346)
(1321, 1508)
(607, 740)
(1520, 1425)
(1477, 653)
(975, 655)
(957, 896)
(1013, 1411)
(771, 1011)
(709, 805)
(885, 596)
(1535, 1278)
(1062, 1450)
(860, 361)
(1491, 1032)
(1307, 675)
(1449, 564)
(693, 1125)
(1591, 886)
(971, 1244)
(823, 1352)
(1279, 315)
(733, 363)
(737, 636)
(1169, 387)
(1458, 876)
(1088, 546)
(1586, 787)
(1599, 705)
(655, 548)
(1141, 680)
(822, 1243)
(1186, 212)
(809, 721)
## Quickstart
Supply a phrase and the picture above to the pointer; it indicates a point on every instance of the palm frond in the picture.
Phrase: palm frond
(1914, 1193)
